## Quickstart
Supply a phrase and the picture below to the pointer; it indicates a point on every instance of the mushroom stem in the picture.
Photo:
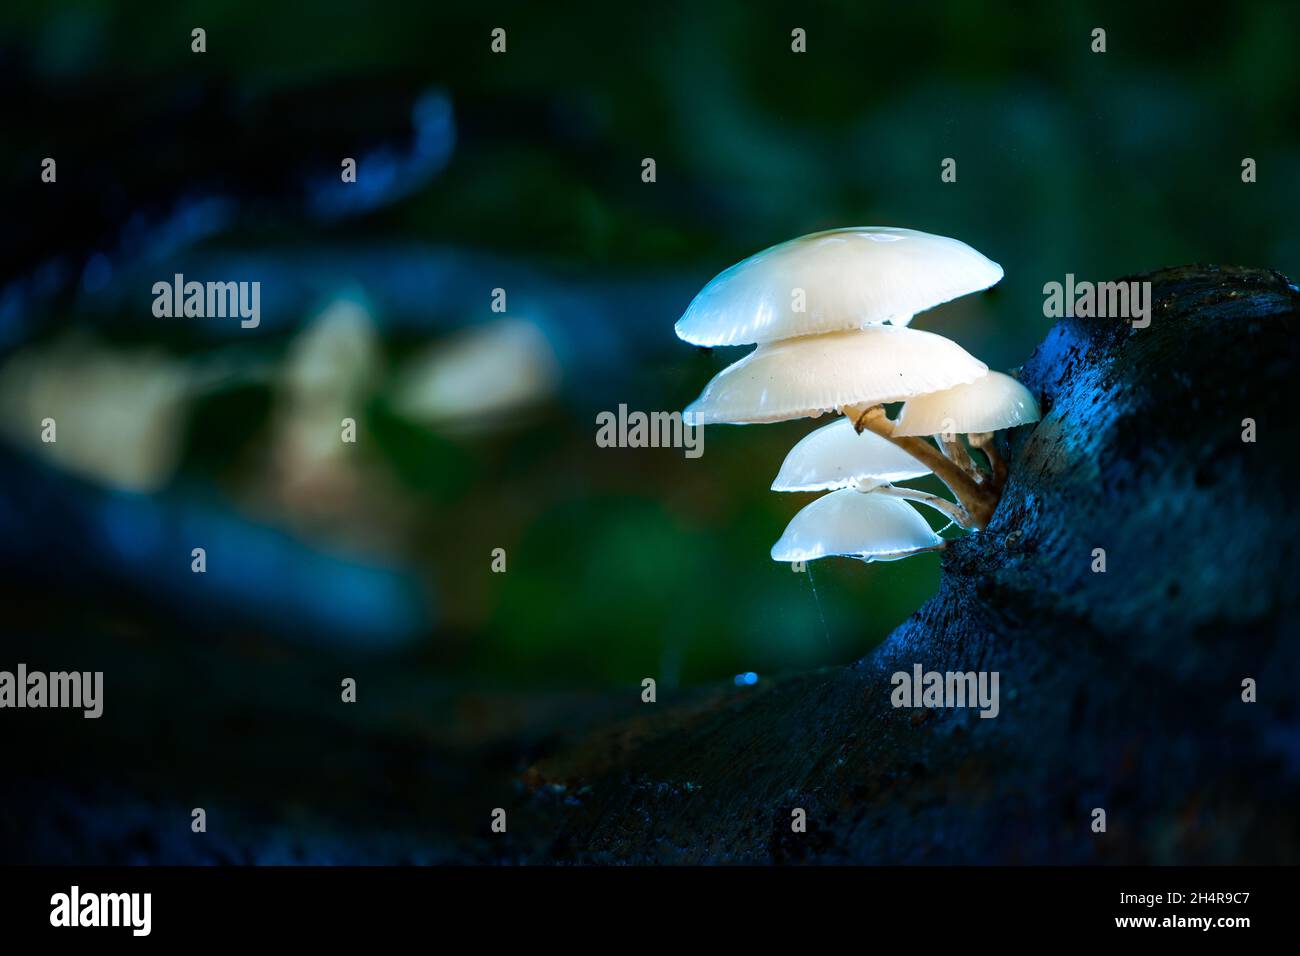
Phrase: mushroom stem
(984, 442)
(957, 454)
(950, 510)
(979, 502)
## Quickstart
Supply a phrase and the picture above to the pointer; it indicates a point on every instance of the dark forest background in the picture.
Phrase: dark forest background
(522, 171)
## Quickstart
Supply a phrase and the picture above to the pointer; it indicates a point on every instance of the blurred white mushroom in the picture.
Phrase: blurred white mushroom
(474, 378)
(328, 374)
(832, 281)
(836, 456)
(332, 360)
(117, 416)
(804, 377)
(856, 524)
(326, 378)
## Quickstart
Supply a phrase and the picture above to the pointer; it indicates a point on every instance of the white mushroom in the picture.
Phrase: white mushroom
(988, 404)
(855, 524)
(827, 313)
(836, 456)
(120, 415)
(480, 377)
(831, 281)
(804, 377)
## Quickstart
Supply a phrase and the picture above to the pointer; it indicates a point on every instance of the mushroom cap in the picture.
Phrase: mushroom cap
(851, 278)
(836, 456)
(987, 404)
(855, 524)
(801, 378)
(477, 375)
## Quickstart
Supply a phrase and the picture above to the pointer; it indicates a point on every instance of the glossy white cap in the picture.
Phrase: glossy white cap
(988, 404)
(801, 378)
(831, 281)
(855, 524)
(836, 456)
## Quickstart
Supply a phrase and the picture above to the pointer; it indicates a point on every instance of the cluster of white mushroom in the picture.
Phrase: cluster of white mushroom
(829, 314)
